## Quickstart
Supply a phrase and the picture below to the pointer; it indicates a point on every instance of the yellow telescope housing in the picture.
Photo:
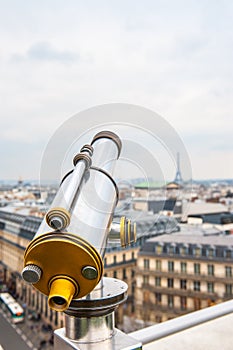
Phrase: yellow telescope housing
(65, 258)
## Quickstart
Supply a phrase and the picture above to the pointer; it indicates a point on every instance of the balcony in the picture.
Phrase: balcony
(180, 292)
(185, 275)
(125, 263)
(169, 311)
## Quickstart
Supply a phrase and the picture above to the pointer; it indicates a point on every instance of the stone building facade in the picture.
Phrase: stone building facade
(181, 273)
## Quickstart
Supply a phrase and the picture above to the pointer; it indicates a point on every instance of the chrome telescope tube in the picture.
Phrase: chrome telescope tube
(64, 259)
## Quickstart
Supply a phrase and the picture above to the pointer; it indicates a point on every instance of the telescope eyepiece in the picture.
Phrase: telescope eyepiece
(58, 218)
(56, 223)
(58, 300)
(62, 290)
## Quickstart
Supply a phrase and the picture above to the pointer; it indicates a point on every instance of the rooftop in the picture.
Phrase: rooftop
(200, 207)
(197, 239)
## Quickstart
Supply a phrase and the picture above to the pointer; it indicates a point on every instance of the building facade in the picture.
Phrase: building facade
(177, 274)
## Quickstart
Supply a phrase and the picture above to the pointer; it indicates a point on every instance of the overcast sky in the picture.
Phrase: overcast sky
(60, 57)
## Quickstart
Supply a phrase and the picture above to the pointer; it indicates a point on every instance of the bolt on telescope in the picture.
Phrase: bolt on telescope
(65, 258)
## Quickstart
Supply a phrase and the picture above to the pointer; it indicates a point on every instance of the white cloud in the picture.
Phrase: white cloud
(172, 57)
(44, 51)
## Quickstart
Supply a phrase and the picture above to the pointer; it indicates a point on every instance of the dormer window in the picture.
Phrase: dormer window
(184, 249)
(159, 248)
(211, 252)
(172, 248)
(228, 253)
(197, 251)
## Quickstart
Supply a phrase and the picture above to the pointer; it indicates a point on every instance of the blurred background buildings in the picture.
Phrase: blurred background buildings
(182, 260)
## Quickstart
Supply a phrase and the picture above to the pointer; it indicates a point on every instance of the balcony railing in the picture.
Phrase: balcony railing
(174, 310)
(180, 292)
(179, 324)
(127, 263)
(185, 275)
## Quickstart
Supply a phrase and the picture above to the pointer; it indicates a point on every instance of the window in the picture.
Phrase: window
(197, 303)
(159, 249)
(158, 281)
(124, 274)
(158, 265)
(171, 249)
(190, 250)
(220, 252)
(132, 273)
(145, 279)
(211, 270)
(197, 286)
(56, 318)
(42, 303)
(228, 289)
(37, 300)
(33, 298)
(170, 301)
(183, 303)
(133, 288)
(46, 309)
(146, 264)
(183, 250)
(114, 259)
(211, 252)
(132, 257)
(105, 261)
(228, 253)
(183, 267)
(210, 287)
(197, 269)
(115, 274)
(204, 252)
(51, 315)
(123, 257)
(183, 284)
(170, 265)
(146, 296)
(228, 271)
(158, 298)
(198, 251)
(170, 282)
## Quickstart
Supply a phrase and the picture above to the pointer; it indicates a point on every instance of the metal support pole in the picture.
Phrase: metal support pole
(89, 321)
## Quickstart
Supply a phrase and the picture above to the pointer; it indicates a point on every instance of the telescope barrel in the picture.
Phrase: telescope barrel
(64, 259)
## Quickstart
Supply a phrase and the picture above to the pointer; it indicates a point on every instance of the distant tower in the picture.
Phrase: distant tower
(20, 182)
(178, 177)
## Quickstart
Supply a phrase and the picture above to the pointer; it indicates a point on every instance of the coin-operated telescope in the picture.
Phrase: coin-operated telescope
(65, 258)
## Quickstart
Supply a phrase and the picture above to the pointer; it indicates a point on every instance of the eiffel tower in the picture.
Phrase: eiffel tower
(178, 177)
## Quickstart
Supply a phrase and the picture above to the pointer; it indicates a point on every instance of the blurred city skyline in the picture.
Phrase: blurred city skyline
(174, 58)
